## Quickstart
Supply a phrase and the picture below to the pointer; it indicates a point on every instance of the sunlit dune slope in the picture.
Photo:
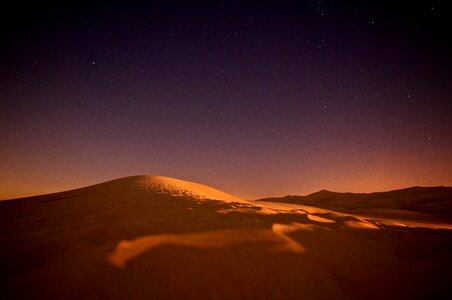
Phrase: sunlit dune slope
(437, 200)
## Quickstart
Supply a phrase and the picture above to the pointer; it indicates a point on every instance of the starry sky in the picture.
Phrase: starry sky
(258, 99)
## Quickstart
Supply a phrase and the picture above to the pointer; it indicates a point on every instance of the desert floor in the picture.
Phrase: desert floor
(120, 241)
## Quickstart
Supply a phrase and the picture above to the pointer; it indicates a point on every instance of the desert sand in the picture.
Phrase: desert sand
(154, 237)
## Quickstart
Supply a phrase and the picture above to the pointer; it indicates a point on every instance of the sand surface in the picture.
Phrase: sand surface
(151, 237)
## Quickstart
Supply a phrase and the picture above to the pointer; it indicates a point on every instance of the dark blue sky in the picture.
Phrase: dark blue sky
(258, 99)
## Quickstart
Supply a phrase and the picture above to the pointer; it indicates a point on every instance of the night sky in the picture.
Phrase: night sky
(257, 99)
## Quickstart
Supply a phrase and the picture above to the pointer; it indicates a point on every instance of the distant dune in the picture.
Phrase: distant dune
(157, 237)
(437, 200)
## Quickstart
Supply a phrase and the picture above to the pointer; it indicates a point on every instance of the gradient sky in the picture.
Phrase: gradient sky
(257, 99)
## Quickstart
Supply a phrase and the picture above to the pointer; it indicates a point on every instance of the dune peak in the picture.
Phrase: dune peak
(179, 188)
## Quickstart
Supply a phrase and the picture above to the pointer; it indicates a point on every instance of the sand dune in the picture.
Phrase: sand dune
(163, 186)
(163, 238)
(418, 199)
